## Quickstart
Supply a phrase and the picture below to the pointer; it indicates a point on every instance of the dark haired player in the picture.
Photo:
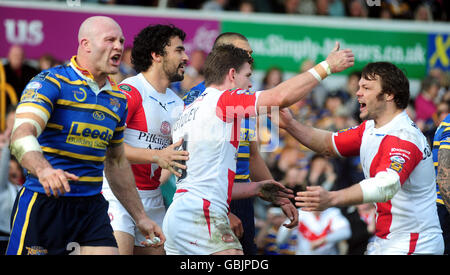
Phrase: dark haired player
(159, 57)
(396, 160)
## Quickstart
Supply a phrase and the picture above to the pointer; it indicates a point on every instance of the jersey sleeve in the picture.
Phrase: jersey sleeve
(397, 154)
(236, 103)
(347, 142)
(40, 95)
(134, 100)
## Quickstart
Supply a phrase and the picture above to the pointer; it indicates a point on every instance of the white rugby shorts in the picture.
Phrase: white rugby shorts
(193, 226)
(407, 244)
(121, 220)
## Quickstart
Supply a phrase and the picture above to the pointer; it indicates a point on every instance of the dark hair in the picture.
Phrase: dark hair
(220, 40)
(393, 81)
(221, 60)
(152, 39)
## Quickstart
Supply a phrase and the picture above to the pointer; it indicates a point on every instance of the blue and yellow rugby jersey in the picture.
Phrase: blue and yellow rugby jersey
(83, 121)
(441, 141)
(247, 135)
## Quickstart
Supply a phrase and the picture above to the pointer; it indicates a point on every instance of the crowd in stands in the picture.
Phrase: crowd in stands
(421, 10)
(291, 163)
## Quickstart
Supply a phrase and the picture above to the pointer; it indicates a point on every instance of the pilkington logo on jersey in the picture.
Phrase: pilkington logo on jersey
(89, 135)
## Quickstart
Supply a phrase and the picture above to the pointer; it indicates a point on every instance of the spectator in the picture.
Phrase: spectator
(423, 13)
(17, 72)
(356, 8)
(424, 103)
(215, 5)
(194, 71)
(46, 62)
(246, 6)
(266, 239)
(318, 232)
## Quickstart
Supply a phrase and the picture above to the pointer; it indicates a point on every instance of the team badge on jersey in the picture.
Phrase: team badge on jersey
(114, 104)
(165, 128)
(397, 163)
(80, 95)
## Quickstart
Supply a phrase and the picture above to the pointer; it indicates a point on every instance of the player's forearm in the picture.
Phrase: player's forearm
(345, 197)
(287, 92)
(443, 179)
(244, 190)
(28, 153)
(140, 155)
(121, 181)
(258, 167)
(315, 139)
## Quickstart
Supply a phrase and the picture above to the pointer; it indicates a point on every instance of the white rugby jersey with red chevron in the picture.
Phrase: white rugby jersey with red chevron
(151, 116)
(210, 127)
(400, 146)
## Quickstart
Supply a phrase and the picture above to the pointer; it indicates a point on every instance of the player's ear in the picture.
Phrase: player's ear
(85, 44)
(156, 57)
(232, 74)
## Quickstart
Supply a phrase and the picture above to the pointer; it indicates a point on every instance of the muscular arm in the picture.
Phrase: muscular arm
(319, 141)
(443, 179)
(294, 89)
(258, 168)
(121, 180)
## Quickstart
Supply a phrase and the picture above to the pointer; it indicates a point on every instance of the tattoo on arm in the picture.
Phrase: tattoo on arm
(443, 178)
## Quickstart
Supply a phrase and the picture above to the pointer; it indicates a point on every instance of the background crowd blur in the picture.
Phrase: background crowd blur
(290, 163)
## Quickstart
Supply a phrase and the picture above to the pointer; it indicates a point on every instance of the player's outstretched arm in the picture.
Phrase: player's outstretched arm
(296, 88)
(380, 188)
(121, 180)
(318, 140)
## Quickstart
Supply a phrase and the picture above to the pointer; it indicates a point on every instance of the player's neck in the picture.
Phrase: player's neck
(157, 79)
(387, 116)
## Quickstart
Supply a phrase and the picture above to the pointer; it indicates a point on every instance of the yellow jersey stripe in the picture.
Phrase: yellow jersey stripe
(56, 82)
(116, 94)
(242, 177)
(118, 129)
(43, 97)
(440, 201)
(72, 82)
(116, 141)
(87, 106)
(72, 155)
(243, 155)
(27, 220)
(55, 126)
(93, 179)
(444, 147)
(17, 209)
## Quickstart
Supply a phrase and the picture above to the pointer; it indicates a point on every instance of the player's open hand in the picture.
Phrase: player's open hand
(55, 181)
(315, 198)
(291, 212)
(273, 191)
(172, 159)
(340, 60)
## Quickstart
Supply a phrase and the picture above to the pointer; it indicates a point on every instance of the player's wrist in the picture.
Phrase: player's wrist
(321, 70)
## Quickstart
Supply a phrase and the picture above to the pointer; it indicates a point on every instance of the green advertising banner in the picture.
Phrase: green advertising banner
(287, 45)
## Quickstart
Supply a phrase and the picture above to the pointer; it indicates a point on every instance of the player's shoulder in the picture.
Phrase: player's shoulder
(239, 91)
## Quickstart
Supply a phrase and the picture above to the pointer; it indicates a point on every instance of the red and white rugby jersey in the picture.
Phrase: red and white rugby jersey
(400, 146)
(151, 116)
(210, 127)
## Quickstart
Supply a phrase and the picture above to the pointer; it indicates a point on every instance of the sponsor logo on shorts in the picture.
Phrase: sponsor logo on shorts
(36, 250)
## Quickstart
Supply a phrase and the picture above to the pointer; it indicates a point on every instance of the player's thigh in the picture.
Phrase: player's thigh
(99, 250)
(125, 242)
(149, 250)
